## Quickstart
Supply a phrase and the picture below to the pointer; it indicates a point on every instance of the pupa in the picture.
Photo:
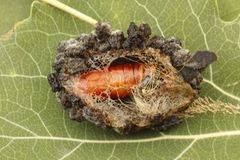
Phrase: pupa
(127, 83)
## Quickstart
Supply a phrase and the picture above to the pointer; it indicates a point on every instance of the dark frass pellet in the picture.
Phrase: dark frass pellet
(127, 83)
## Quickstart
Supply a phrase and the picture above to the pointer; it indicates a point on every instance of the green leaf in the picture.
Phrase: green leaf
(33, 125)
(11, 12)
(228, 10)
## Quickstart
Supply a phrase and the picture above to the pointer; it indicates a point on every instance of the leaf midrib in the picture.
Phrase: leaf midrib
(145, 140)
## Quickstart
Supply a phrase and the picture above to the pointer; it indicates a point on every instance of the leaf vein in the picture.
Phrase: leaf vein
(126, 141)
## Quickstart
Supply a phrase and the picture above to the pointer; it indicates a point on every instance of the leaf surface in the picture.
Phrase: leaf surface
(33, 125)
(11, 12)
